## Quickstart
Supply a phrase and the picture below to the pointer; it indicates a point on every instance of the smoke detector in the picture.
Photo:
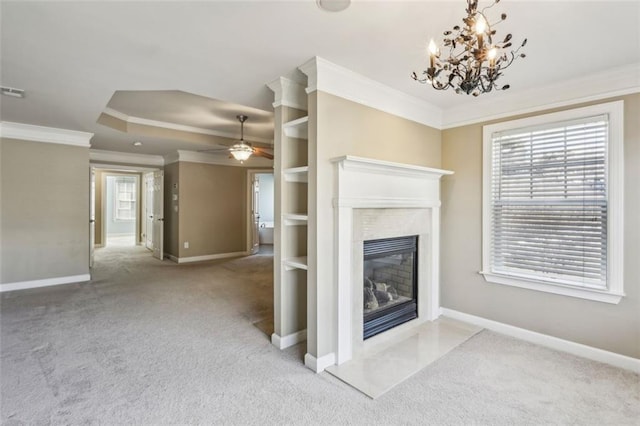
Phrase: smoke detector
(333, 5)
(12, 91)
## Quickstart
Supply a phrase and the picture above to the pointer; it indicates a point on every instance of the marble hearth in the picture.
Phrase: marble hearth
(376, 200)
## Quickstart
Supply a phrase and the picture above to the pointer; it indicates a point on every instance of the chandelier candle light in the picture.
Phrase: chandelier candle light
(475, 61)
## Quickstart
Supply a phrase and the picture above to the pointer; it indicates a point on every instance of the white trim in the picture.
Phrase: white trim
(327, 77)
(369, 165)
(29, 132)
(386, 202)
(288, 93)
(207, 257)
(594, 87)
(125, 157)
(556, 343)
(615, 188)
(179, 127)
(565, 290)
(121, 168)
(172, 157)
(23, 285)
(288, 340)
(318, 365)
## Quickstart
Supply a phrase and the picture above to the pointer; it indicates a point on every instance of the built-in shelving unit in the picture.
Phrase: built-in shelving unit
(291, 169)
(296, 262)
(296, 128)
(296, 174)
(295, 219)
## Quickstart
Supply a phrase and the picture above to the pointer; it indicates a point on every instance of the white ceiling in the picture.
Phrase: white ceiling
(72, 57)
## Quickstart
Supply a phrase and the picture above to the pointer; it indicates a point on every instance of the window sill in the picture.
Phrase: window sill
(565, 290)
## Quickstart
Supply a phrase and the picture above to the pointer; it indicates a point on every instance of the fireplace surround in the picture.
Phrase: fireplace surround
(376, 200)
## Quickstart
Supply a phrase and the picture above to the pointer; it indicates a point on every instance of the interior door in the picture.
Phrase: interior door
(157, 232)
(148, 211)
(255, 214)
(92, 215)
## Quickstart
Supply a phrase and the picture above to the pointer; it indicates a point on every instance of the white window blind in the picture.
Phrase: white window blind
(549, 202)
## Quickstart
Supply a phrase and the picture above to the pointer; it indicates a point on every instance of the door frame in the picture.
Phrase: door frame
(251, 173)
(118, 168)
(144, 207)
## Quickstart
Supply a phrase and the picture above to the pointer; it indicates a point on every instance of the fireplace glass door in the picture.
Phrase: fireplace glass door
(390, 283)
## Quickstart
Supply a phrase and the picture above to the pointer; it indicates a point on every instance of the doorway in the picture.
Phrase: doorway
(261, 211)
(121, 209)
(126, 209)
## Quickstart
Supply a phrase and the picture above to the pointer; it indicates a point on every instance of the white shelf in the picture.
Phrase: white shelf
(296, 128)
(295, 219)
(296, 174)
(295, 263)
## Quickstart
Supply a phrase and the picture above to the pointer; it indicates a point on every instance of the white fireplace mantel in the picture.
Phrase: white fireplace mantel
(364, 183)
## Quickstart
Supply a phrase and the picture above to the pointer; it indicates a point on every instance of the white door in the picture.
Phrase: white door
(157, 232)
(92, 215)
(148, 211)
(255, 214)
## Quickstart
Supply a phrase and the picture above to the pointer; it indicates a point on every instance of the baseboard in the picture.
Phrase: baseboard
(288, 340)
(208, 257)
(589, 352)
(23, 285)
(319, 364)
(171, 257)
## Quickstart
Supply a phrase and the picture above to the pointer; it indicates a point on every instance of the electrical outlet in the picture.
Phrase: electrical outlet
(186, 244)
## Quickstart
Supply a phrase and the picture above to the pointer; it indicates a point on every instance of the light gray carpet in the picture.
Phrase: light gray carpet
(151, 342)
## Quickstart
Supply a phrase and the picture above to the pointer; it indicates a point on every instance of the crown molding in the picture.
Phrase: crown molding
(179, 127)
(328, 77)
(603, 85)
(204, 158)
(97, 155)
(288, 93)
(29, 132)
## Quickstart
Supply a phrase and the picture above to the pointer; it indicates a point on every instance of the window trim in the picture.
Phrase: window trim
(615, 205)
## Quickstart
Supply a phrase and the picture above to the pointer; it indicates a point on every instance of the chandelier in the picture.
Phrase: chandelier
(475, 60)
(241, 150)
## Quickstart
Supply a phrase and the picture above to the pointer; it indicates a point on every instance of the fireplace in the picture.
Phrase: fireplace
(390, 285)
(379, 200)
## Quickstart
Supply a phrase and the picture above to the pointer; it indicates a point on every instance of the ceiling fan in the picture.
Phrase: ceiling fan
(242, 150)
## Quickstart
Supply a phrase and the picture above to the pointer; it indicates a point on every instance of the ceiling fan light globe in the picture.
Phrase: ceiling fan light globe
(241, 151)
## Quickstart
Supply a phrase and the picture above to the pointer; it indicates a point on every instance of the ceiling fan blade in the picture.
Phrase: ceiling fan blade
(262, 153)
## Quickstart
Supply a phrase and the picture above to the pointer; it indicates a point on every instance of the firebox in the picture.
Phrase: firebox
(390, 287)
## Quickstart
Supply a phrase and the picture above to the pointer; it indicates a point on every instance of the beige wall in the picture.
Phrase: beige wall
(614, 328)
(342, 128)
(171, 237)
(212, 209)
(45, 210)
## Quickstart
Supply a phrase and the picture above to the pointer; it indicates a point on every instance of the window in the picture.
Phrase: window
(552, 202)
(125, 198)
